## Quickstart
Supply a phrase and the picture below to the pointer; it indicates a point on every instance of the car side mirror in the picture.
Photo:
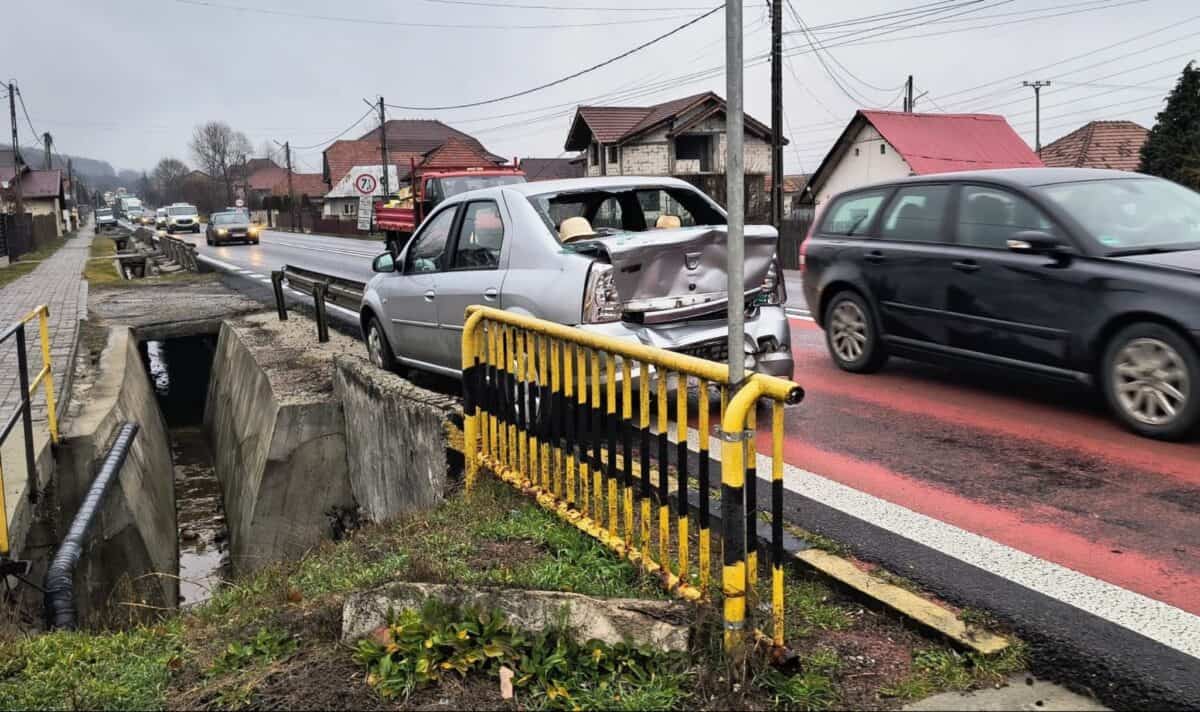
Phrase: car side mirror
(384, 263)
(1037, 242)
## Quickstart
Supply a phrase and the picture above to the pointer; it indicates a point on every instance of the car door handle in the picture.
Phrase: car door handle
(491, 293)
(966, 266)
(874, 256)
(430, 295)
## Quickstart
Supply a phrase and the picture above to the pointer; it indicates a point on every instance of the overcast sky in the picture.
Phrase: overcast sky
(127, 80)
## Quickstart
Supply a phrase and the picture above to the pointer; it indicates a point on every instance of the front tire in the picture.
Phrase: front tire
(851, 334)
(378, 348)
(1151, 380)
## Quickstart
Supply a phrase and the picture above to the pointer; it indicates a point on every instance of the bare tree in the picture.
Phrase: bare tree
(219, 151)
(168, 178)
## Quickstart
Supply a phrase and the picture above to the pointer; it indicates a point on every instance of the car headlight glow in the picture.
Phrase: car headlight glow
(222, 231)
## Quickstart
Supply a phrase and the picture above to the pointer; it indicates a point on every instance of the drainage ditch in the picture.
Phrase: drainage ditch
(180, 369)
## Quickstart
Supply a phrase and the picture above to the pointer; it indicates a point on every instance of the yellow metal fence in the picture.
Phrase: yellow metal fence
(24, 410)
(587, 425)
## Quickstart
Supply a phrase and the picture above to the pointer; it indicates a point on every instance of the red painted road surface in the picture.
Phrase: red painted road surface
(1038, 467)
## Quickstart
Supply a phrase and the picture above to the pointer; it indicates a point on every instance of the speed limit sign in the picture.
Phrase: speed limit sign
(365, 183)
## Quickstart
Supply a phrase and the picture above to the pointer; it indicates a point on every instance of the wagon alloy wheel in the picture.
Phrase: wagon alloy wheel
(375, 346)
(1151, 381)
(848, 331)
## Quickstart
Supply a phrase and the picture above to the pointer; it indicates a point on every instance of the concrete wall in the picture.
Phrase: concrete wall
(868, 158)
(134, 534)
(645, 159)
(395, 442)
(278, 437)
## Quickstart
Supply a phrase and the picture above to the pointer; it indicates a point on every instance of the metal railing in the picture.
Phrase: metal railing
(59, 588)
(181, 252)
(550, 409)
(24, 410)
(324, 288)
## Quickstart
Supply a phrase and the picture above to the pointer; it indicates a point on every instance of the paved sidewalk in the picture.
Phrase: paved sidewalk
(57, 282)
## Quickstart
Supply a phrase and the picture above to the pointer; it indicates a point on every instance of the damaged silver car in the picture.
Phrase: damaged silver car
(635, 258)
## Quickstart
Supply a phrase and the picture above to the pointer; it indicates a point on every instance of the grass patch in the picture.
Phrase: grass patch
(30, 260)
(101, 268)
(941, 669)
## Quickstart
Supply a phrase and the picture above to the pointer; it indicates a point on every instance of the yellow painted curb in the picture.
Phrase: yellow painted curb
(905, 602)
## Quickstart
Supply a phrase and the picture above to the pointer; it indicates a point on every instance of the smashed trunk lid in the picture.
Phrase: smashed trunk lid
(680, 272)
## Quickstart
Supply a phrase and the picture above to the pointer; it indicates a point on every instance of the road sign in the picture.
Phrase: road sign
(365, 183)
(364, 211)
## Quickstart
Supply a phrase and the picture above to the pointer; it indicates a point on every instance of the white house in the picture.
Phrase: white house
(341, 203)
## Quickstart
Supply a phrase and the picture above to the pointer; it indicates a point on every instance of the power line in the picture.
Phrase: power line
(811, 37)
(569, 77)
(517, 6)
(832, 76)
(903, 12)
(345, 131)
(418, 25)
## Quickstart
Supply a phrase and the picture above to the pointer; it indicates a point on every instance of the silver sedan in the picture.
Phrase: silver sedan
(635, 258)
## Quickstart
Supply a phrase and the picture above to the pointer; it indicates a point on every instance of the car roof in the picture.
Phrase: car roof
(569, 184)
(1015, 177)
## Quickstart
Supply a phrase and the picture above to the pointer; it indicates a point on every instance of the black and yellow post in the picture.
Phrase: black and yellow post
(568, 417)
(584, 431)
(664, 496)
(681, 471)
(610, 428)
(777, 613)
(471, 371)
(703, 491)
(627, 449)
(543, 406)
(531, 389)
(519, 381)
(557, 471)
(597, 441)
(644, 453)
(751, 509)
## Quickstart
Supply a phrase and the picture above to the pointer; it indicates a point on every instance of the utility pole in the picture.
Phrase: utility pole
(18, 203)
(46, 141)
(383, 149)
(287, 150)
(1037, 112)
(777, 113)
(733, 501)
(908, 95)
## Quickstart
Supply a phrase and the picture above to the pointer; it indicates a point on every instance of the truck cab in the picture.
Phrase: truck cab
(399, 217)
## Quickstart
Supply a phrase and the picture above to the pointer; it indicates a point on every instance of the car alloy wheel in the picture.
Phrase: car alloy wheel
(848, 331)
(1151, 381)
(375, 346)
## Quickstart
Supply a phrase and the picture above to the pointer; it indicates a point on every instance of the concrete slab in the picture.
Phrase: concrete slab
(1021, 693)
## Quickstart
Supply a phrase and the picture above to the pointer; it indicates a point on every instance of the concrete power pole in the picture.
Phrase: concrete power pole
(46, 141)
(1037, 112)
(18, 202)
(777, 113)
(383, 149)
(908, 95)
(287, 150)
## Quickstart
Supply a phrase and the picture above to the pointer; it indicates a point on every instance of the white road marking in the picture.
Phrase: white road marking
(332, 250)
(348, 313)
(1156, 620)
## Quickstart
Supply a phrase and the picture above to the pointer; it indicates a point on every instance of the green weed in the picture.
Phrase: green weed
(266, 646)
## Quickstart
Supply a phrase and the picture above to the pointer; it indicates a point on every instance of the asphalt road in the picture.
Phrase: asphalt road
(1084, 532)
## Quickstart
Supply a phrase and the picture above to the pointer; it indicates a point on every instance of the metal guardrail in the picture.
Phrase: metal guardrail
(324, 288)
(59, 587)
(24, 410)
(550, 410)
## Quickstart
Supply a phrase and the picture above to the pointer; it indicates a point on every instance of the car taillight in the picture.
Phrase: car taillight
(601, 303)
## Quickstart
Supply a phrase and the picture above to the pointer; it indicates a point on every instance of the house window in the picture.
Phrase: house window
(882, 148)
(856, 151)
(349, 208)
(613, 157)
(695, 148)
(595, 154)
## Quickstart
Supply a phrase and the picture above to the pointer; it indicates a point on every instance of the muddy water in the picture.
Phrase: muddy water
(180, 369)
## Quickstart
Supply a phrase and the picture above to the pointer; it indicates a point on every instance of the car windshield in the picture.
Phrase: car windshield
(181, 210)
(104, 212)
(228, 218)
(627, 209)
(1132, 215)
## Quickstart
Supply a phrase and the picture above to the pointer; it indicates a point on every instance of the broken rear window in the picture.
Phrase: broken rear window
(628, 209)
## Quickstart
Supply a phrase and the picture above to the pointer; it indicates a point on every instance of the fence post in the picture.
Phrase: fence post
(734, 574)
(470, 366)
(277, 286)
(319, 305)
(51, 406)
(26, 409)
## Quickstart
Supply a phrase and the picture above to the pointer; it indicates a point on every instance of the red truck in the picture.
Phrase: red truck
(399, 218)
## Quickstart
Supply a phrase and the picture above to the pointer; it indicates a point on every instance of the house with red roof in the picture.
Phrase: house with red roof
(886, 145)
(1116, 145)
(41, 193)
(425, 143)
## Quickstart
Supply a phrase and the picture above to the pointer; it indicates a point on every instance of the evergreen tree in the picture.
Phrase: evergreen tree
(1172, 149)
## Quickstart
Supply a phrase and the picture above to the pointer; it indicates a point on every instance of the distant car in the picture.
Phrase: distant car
(1074, 274)
(231, 226)
(134, 215)
(160, 217)
(182, 217)
(105, 219)
(641, 259)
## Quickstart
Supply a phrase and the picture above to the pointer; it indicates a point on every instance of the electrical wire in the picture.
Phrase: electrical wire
(854, 99)
(345, 131)
(517, 6)
(569, 77)
(418, 25)
(903, 12)
(811, 37)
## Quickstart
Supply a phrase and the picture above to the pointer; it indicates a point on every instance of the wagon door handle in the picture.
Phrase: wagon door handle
(966, 266)
(875, 256)
(430, 295)
(491, 293)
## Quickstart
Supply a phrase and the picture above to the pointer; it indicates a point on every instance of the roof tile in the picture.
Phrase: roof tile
(942, 143)
(1099, 144)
